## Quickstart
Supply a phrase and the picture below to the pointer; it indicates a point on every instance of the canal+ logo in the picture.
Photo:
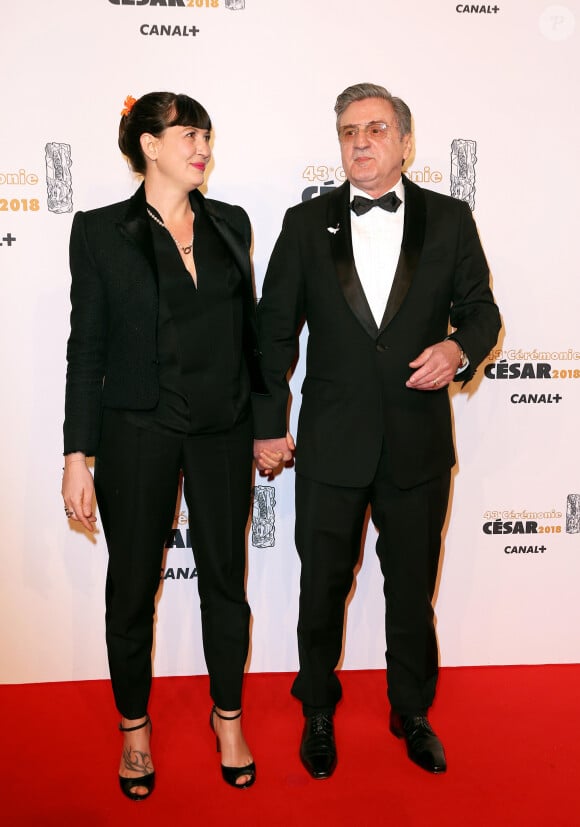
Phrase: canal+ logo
(467, 8)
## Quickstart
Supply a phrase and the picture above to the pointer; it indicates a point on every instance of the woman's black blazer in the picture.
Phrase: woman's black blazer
(111, 352)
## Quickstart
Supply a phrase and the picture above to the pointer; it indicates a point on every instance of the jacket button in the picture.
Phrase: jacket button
(381, 348)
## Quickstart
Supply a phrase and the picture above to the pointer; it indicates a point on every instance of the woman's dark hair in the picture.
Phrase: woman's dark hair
(154, 113)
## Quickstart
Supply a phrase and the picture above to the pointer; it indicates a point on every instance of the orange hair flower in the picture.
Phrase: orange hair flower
(129, 103)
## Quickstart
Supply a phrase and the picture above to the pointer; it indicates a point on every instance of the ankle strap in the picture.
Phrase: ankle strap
(133, 728)
(226, 717)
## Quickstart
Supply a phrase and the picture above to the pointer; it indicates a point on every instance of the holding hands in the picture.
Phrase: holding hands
(271, 453)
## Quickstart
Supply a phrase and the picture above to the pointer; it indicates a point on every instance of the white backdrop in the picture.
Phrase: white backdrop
(502, 78)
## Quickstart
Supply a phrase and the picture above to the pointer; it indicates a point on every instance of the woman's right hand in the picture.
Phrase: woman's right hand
(78, 490)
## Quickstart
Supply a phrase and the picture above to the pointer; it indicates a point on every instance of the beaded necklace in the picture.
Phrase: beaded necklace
(185, 250)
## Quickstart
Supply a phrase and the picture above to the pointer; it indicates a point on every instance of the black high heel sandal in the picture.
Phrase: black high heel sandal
(148, 781)
(231, 774)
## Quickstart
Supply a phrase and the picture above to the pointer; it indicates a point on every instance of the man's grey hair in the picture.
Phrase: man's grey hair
(361, 91)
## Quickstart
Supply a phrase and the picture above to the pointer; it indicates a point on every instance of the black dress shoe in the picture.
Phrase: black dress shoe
(317, 748)
(423, 746)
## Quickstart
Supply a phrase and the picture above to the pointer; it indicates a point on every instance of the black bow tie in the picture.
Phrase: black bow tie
(389, 202)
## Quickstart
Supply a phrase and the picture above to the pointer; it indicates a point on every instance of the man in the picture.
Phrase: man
(379, 284)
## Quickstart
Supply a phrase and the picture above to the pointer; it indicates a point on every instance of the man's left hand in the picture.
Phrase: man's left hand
(435, 367)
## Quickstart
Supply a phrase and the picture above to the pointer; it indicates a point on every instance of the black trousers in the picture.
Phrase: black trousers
(329, 523)
(136, 481)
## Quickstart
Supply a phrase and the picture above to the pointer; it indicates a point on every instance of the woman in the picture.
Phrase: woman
(162, 357)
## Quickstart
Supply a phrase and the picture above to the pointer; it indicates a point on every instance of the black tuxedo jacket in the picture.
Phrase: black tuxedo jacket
(354, 394)
(111, 353)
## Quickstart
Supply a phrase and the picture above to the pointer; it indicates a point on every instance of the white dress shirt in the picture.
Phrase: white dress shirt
(376, 243)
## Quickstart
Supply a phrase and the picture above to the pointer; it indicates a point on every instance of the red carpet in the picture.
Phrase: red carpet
(512, 738)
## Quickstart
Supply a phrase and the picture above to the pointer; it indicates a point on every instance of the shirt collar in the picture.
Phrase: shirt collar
(398, 189)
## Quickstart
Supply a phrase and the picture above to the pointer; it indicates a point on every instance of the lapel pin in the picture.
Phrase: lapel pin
(334, 230)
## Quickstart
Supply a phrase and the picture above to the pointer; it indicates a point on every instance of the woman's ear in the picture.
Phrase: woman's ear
(149, 145)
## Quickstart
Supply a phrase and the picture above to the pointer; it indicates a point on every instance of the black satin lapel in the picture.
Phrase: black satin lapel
(239, 250)
(136, 229)
(341, 246)
(230, 237)
(411, 247)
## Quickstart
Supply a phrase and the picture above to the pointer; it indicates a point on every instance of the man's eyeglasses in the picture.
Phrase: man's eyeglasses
(377, 130)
